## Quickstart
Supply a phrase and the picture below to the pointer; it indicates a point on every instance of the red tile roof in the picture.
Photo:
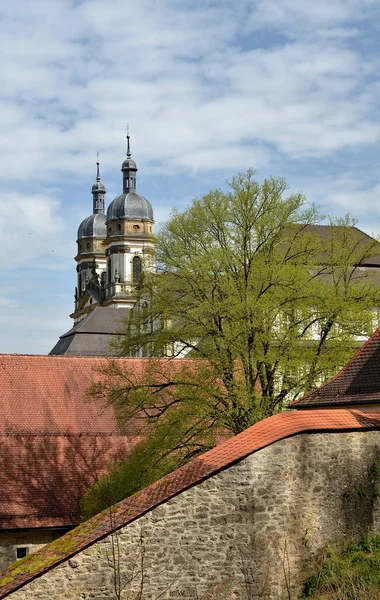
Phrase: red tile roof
(55, 440)
(222, 456)
(44, 477)
(49, 394)
(357, 383)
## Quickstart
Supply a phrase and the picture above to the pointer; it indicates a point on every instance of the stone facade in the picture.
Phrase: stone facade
(247, 532)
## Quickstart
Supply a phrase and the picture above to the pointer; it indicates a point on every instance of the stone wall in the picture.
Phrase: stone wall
(33, 540)
(247, 532)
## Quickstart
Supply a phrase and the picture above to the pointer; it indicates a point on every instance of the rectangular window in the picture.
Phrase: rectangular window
(21, 551)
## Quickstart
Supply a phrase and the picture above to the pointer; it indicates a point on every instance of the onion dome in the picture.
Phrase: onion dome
(98, 187)
(129, 163)
(130, 205)
(93, 226)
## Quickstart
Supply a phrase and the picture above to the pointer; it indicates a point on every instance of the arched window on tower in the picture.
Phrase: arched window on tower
(136, 268)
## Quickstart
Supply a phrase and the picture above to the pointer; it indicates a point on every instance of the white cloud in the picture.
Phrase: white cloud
(32, 329)
(292, 17)
(30, 226)
(207, 87)
(5, 301)
(346, 193)
(178, 73)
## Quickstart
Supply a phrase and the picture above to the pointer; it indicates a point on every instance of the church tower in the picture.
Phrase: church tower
(90, 258)
(113, 251)
(129, 242)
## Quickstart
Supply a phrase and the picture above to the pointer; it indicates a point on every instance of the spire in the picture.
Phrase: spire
(98, 190)
(128, 144)
(97, 167)
(129, 168)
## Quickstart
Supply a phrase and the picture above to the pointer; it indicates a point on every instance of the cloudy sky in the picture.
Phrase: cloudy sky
(209, 88)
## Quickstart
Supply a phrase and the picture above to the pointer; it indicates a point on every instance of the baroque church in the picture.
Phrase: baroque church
(113, 247)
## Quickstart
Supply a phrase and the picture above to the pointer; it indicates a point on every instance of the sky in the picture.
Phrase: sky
(209, 88)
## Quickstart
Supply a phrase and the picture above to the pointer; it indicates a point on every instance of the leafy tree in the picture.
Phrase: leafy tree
(266, 305)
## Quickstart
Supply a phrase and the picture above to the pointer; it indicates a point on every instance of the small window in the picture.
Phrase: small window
(80, 246)
(136, 227)
(119, 227)
(88, 245)
(21, 551)
(109, 229)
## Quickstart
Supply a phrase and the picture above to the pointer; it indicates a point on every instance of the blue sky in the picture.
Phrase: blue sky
(209, 88)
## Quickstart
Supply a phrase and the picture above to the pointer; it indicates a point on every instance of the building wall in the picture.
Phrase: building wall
(240, 534)
(33, 540)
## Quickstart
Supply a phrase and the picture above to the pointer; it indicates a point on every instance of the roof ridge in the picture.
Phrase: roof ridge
(364, 233)
(97, 357)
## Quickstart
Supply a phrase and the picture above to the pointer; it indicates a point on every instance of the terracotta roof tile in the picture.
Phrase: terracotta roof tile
(222, 456)
(53, 437)
(43, 478)
(49, 394)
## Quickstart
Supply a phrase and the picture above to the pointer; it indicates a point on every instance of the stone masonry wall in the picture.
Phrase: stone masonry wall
(244, 533)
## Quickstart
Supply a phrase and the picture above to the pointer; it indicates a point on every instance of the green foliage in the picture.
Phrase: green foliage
(305, 537)
(180, 435)
(349, 574)
(246, 284)
(264, 306)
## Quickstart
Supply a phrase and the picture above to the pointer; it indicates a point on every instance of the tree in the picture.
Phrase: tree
(266, 305)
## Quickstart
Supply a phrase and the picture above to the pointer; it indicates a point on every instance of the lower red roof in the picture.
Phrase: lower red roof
(44, 477)
(55, 439)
